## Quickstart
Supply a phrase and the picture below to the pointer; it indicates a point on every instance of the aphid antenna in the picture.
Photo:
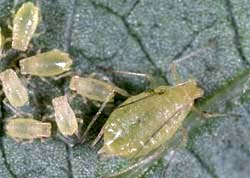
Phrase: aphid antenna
(210, 44)
(13, 9)
(97, 115)
(208, 115)
(144, 161)
(147, 76)
(101, 76)
(192, 54)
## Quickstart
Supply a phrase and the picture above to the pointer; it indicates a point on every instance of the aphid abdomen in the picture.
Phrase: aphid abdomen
(46, 64)
(13, 88)
(65, 116)
(25, 128)
(135, 129)
(24, 25)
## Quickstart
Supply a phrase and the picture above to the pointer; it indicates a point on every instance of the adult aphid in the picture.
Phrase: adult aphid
(13, 88)
(46, 64)
(24, 25)
(97, 90)
(146, 122)
(65, 116)
(27, 129)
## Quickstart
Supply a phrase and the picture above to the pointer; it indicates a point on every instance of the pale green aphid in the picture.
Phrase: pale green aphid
(13, 88)
(27, 129)
(24, 25)
(97, 90)
(65, 116)
(94, 89)
(2, 41)
(147, 121)
(46, 64)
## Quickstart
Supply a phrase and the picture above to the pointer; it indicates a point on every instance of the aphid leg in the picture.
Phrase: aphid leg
(27, 141)
(97, 115)
(10, 107)
(17, 140)
(175, 75)
(42, 140)
(149, 159)
(98, 138)
(182, 143)
(10, 118)
(66, 74)
(67, 140)
(48, 118)
(207, 115)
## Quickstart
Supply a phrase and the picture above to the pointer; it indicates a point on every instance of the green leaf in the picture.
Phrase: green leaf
(208, 40)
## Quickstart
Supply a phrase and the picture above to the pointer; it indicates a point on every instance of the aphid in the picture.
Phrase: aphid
(2, 41)
(46, 64)
(145, 122)
(94, 89)
(24, 25)
(97, 90)
(27, 128)
(13, 88)
(65, 116)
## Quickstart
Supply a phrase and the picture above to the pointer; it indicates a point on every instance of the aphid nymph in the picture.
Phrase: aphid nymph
(65, 116)
(14, 90)
(94, 89)
(24, 25)
(46, 64)
(27, 129)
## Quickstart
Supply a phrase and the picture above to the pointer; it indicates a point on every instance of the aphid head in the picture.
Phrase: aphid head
(193, 90)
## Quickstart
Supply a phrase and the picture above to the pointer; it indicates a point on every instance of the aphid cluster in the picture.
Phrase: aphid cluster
(47, 64)
(140, 125)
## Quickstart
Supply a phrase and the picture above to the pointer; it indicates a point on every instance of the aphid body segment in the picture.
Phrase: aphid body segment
(27, 128)
(46, 64)
(13, 88)
(65, 116)
(94, 89)
(146, 121)
(24, 25)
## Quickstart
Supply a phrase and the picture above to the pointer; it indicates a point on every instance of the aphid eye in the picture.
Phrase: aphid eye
(24, 25)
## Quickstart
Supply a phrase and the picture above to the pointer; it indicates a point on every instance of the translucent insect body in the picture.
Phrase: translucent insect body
(145, 121)
(46, 64)
(13, 88)
(24, 26)
(27, 128)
